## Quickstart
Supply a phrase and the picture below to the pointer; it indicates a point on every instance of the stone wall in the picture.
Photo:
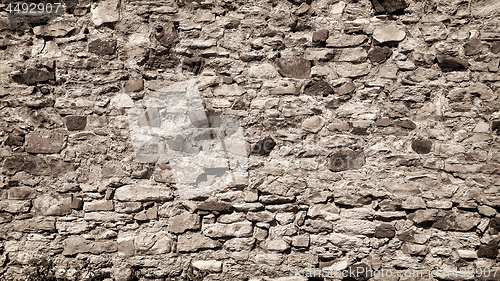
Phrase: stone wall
(382, 118)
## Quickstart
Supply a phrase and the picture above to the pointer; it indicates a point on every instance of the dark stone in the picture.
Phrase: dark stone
(421, 146)
(458, 221)
(14, 140)
(495, 223)
(77, 203)
(489, 251)
(345, 89)
(359, 131)
(162, 62)
(263, 147)
(102, 46)
(383, 122)
(166, 34)
(495, 47)
(134, 85)
(298, 2)
(389, 6)
(320, 35)
(320, 87)
(75, 122)
(33, 76)
(407, 236)
(294, 67)
(385, 230)
(218, 206)
(473, 47)
(36, 166)
(194, 64)
(448, 63)
(495, 125)
(346, 160)
(5, 217)
(44, 143)
(379, 54)
(407, 124)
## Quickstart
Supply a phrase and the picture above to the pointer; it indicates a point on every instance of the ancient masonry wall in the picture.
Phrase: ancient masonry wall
(404, 94)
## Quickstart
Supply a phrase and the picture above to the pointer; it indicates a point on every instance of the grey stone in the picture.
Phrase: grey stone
(141, 193)
(183, 222)
(192, 242)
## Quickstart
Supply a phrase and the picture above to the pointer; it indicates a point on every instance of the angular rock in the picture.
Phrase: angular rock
(300, 241)
(467, 254)
(319, 87)
(457, 220)
(48, 205)
(389, 6)
(134, 85)
(420, 216)
(294, 67)
(473, 47)
(407, 124)
(383, 122)
(47, 143)
(421, 146)
(75, 122)
(143, 193)
(107, 11)
(346, 160)
(495, 47)
(388, 34)
(354, 55)
(414, 250)
(15, 206)
(489, 251)
(192, 242)
(32, 76)
(379, 54)
(319, 54)
(219, 230)
(385, 230)
(57, 29)
(264, 216)
(166, 34)
(448, 63)
(102, 46)
(183, 222)
(278, 245)
(313, 124)
(263, 147)
(320, 35)
(21, 193)
(14, 140)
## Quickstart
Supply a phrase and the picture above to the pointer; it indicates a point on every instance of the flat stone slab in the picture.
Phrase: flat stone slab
(143, 193)
(46, 143)
(294, 67)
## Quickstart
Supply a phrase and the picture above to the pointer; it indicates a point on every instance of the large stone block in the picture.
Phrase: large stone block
(52, 205)
(294, 67)
(219, 230)
(183, 222)
(192, 242)
(143, 193)
(48, 143)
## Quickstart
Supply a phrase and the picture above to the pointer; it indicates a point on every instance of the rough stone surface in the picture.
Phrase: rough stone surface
(294, 67)
(388, 34)
(46, 143)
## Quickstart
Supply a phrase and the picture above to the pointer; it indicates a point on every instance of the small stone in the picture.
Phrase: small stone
(495, 47)
(183, 222)
(388, 34)
(481, 127)
(421, 216)
(102, 46)
(344, 40)
(48, 205)
(14, 140)
(385, 230)
(134, 85)
(121, 101)
(448, 63)
(473, 47)
(379, 54)
(101, 205)
(264, 216)
(313, 124)
(218, 206)
(219, 230)
(467, 254)
(414, 250)
(346, 69)
(300, 241)
(383, 122)
(75, 123)
(421, 146)
(106, 11)
(143, 193)
(355, 55)
(346, 160)
(489, 251)
(263, 147)
(192, 242)
(389, 6)
(487, 211)
(278, 245)
(319, 54)
(294, 67)
(77, 203)
(320, 35)
(166, 34)
(345, 89)
(47, 143)
(407, 124)
(32, 76)
(21, 193)
(211, 265)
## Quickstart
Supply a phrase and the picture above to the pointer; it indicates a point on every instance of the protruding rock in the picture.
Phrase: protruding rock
(106, 11)
(218, 230)
(192, 242)
(320, 87)
(102, 46)
(57, 29)
(263, 147)
(379, 54)
(166, 34)
(385, 230)
(448, 63)
(388, 34)
(421, 146)
(211, 265)
(75, 122)
(320, 35)
(143, 193)
(294, 67)
(44, 142)
(389, 6)
(473, 47)
(313, 124)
